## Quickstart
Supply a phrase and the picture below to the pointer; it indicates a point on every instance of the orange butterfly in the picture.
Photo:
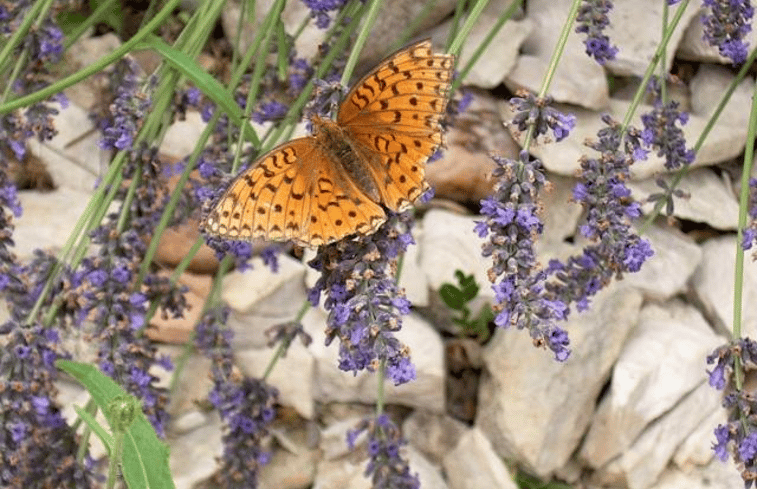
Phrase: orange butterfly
(318, 189)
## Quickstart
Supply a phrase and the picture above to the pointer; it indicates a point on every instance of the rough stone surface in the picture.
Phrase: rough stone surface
(515, 402)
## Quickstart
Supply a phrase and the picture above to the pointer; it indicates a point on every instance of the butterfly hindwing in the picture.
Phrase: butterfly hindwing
(293, 193)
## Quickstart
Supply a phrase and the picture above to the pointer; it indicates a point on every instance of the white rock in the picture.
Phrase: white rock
(193, 455)
(450, 244)
(433, 434)
(704, 188)
(696, 450)
(292, 375)
(426, 351)
(428, 474)
(260, 298)
(340, 474)
(73, 157)
(662, 361)
(560, 215)
(473, 464)
(333, 439)
(503, 48)
(578, 79)
(294, 465)
(641, 465)
(517, 408)
(713, 286)
(48, 219)
(182, 136)
(82, 53)
(667, 272)
(636, 28)
(193, 385)
(715, 475)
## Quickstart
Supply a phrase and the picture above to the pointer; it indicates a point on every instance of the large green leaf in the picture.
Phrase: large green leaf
(144, 457)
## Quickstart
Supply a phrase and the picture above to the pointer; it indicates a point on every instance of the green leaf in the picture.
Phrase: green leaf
(468, 286)
(96, 427)
(206, 83)
(145, 457)
(452, 296)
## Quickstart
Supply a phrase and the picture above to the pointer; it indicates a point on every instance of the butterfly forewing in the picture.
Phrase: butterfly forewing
(394, 113)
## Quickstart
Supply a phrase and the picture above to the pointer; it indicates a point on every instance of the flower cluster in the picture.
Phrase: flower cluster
(592, 20)
(36, 447)
(386, 468)
(36, 444)
(739, 434)
(364, 303)
(538, 113)
(661, 132)
(129, 108)
(246, 405)
(319, 9)
(41, 47)
(609, 212)
(512, 224)
(271, 110)
(750, 231)
(726, 24)
(109, 298)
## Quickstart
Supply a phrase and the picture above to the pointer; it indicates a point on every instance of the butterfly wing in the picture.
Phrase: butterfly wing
(394, 115)
(293, 192)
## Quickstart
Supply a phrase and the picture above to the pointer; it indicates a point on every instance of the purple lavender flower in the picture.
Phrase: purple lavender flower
(269, 111)
(726, 25)
(320, 9)
(45, 43)
(364, 303)
(739, 435)
(300, 73)
(592, 20)
(36, 447)
(722, 437)
(511, 224)
(661, 132)
(531, 111)
(750, 232)
(128, 110)
(609, 210)
(246, 405)
(386, 467)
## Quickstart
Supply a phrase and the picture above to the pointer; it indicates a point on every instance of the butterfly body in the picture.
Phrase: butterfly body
(319, 189)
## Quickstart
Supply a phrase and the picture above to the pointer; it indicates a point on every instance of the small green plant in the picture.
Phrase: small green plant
(458, 297)
(525, 481)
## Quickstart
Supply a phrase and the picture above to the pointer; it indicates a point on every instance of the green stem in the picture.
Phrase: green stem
(653, 66)
(554, 62)
(503, 17)
(373, 9)
(81, 28)
(702, 137)
(380, 376)
(738, 280)
(20, 32)
(457, 44)
(99, 65)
